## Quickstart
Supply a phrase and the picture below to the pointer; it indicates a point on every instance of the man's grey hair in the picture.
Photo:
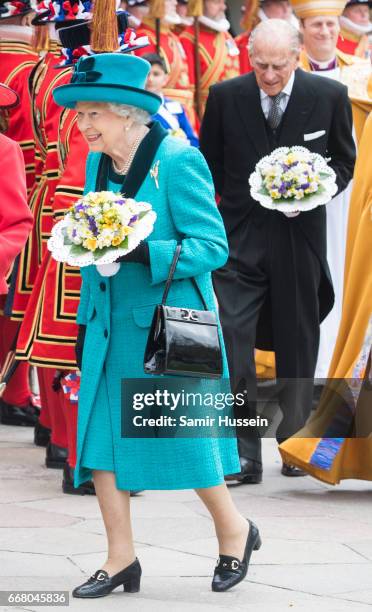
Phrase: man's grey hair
(124, 110)
(279, 32)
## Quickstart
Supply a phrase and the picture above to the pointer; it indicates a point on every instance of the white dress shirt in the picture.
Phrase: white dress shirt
(266, 105)
(266, 100)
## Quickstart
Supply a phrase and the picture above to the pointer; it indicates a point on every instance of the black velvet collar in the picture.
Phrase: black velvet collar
(140, 166)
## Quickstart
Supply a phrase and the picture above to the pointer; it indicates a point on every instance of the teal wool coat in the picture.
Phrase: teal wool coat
(118, 311)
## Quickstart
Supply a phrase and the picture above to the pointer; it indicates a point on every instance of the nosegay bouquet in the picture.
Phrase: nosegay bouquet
(292, 180)
(99, 228)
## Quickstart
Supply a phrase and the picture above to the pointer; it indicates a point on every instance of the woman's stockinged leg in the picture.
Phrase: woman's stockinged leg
(115, 509)
(231, 527)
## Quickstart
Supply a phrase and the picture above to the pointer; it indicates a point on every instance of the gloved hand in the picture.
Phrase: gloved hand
(140, 254)
(79, 346)
(290, 215)
(56, 383)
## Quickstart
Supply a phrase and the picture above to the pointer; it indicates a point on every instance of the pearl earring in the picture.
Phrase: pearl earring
(127, 128)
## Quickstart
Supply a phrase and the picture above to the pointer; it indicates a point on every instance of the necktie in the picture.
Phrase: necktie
(275, 113)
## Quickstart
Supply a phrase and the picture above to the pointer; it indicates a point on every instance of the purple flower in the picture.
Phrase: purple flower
(133, 219)
(80, 207)
(92, 225)
(121, 202)
(74, 233)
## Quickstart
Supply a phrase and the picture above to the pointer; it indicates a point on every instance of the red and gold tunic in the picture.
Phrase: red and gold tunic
(15, 215)
(48, 332)
(38, 121)
(179, 83)
(46, 122)
(353, 45)
(219, 59)
(17, 60)
(242, 44)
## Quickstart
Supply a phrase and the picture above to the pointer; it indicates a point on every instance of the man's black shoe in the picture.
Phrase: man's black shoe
(55, 456)
(86, 488)
(317, 392)
(18, 415)
(266, 389)
(292, 470)
(251, 472)
(41, 435)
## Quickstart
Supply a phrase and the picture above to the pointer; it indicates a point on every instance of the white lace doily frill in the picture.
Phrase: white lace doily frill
(62, 252)
(309, 202)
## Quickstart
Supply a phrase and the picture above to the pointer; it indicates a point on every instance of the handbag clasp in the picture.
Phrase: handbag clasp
(189, 315)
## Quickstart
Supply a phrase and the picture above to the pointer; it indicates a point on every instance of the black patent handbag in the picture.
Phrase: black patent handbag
(183, 341)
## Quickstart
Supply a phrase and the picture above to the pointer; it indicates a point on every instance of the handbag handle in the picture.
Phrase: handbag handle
(172, 270)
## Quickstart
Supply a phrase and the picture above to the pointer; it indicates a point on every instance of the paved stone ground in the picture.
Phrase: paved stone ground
(316, 553)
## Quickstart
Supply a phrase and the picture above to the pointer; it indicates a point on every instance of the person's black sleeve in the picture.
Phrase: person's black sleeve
(341, 146)
(212, 142)
(140, 255)
(79, 346)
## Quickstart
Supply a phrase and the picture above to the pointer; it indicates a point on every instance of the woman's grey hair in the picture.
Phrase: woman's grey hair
(279, 33)
(124, 110)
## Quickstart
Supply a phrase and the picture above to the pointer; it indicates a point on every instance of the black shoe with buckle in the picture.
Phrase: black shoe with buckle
(230, 571)
(101, 584)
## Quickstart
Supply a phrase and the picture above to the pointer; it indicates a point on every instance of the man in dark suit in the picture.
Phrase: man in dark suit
(275, 288)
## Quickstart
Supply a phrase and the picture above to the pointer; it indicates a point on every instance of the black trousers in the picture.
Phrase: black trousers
(271, 263)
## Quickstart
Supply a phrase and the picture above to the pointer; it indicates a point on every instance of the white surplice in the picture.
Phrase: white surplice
(337, 219)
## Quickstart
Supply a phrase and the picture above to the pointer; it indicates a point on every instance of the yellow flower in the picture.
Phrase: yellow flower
(116, 241)
(91, 244)
(126, 230)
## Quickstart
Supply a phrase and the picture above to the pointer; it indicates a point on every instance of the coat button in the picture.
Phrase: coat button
(105, 333)
(102, 286)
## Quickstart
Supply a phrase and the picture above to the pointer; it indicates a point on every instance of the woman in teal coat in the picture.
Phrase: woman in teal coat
(115, 314)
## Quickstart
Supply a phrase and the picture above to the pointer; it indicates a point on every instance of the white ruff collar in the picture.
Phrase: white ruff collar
(262, 15)
(16, 32)
(292, 19)
(220, 25)
(133, 21)
(187, 21)
(172, 19)
(355, 28)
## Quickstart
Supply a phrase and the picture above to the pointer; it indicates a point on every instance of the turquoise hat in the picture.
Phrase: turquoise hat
(109, 77)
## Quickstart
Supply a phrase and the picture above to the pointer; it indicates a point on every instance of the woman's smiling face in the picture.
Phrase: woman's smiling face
(102, 129)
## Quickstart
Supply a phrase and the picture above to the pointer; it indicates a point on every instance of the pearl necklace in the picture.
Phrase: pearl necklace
(124, 170)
